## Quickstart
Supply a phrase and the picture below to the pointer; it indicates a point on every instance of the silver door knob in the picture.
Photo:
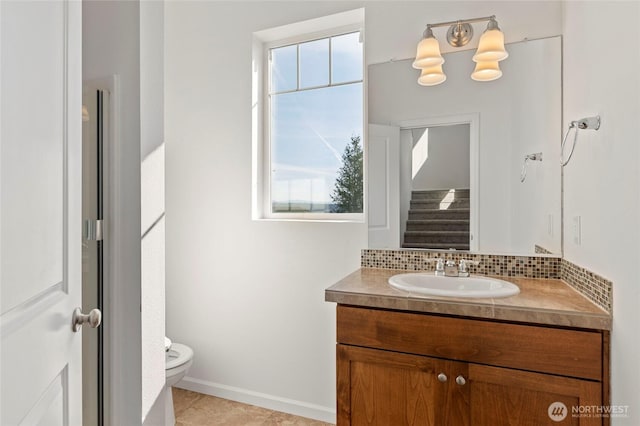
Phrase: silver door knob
(78, 319)
(442, 377)
(460, 380)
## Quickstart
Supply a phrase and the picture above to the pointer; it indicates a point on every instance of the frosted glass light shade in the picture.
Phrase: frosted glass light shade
(432, 76)
(428, 54)
(491, 47)
(486, 71)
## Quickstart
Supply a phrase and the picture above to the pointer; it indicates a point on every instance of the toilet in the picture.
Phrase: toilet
(178, 360)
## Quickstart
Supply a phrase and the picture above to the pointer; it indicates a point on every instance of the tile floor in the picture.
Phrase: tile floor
(194, 408)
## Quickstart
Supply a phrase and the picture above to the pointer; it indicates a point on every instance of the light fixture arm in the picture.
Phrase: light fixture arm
(428, 33)
(460, 32)
(462, 21)
(493, 25)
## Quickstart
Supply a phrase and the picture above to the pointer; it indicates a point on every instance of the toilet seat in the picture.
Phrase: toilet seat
(178, 359)
(178, 355)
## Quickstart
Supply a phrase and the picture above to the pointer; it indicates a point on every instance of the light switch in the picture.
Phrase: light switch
(577, 230)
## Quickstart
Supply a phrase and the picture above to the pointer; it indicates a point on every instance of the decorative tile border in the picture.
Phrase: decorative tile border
(490, 264)
(594, 287)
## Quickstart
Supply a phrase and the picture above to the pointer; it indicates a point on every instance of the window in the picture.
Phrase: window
(313, 127)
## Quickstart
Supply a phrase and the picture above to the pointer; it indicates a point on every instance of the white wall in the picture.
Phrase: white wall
(448, 163)
(152, 282)
(152, 208)
(151, 76)
(602, 180)
(248, 296)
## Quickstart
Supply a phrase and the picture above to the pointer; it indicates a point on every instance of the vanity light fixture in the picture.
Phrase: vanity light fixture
(486, 71)
(431, 76)
(429, 60)
(490, 50)
(428, 54)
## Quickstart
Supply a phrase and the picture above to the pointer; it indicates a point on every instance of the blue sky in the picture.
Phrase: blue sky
(310, 128)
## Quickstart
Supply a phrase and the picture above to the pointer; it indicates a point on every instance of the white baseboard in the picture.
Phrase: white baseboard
(271, 402)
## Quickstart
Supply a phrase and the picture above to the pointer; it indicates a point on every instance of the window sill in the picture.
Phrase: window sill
(343, 218)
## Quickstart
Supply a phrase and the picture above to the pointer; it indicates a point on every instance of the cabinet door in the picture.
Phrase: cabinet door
(388, 388)
(502, 396)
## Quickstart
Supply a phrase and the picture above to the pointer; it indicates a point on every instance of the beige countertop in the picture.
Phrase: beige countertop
(541, 301)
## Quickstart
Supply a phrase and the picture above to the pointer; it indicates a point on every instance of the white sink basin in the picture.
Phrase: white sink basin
(473, 286)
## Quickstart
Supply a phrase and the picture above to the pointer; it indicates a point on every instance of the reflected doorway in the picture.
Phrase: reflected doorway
(435, 207)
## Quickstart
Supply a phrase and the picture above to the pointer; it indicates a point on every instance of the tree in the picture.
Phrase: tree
(348, 191)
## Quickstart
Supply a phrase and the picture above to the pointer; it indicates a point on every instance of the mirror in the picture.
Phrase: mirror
(501, 136)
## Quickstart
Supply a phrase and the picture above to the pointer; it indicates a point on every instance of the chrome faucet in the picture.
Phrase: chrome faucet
(462, 266)
(450, 269)
(440, 268)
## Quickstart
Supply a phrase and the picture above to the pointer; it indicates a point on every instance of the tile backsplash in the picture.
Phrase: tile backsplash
(594, 287)
(490, 264)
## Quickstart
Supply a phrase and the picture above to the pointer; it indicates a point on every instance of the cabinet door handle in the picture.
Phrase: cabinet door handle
(460, 380)
(442, 377)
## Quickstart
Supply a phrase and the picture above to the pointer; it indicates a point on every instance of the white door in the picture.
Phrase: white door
(40, 232)
(383, 162)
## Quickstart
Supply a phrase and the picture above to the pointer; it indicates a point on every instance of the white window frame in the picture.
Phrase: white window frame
(264, 41)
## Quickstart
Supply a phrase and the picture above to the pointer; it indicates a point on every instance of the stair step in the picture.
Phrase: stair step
(461, 203)
(432, 228)
(437, 246)
(438, 225)
(436, 237)
(438, 194)
(428, 214)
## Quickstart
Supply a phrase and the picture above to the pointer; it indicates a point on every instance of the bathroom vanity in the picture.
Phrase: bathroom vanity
(407, 359)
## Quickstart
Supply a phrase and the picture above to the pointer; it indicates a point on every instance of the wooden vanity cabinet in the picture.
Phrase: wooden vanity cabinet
(503, 396)
(390, 388)
(402, 368)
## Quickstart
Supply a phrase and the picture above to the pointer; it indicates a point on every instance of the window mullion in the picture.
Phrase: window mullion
(346, 83)
(269, 71)
(330, 67)
(298, 66)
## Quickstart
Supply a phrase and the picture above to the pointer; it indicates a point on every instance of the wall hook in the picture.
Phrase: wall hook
(533, 157)
(591, 123)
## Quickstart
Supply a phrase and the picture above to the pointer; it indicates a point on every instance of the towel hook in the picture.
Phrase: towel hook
(533, 157)
(592, 123)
